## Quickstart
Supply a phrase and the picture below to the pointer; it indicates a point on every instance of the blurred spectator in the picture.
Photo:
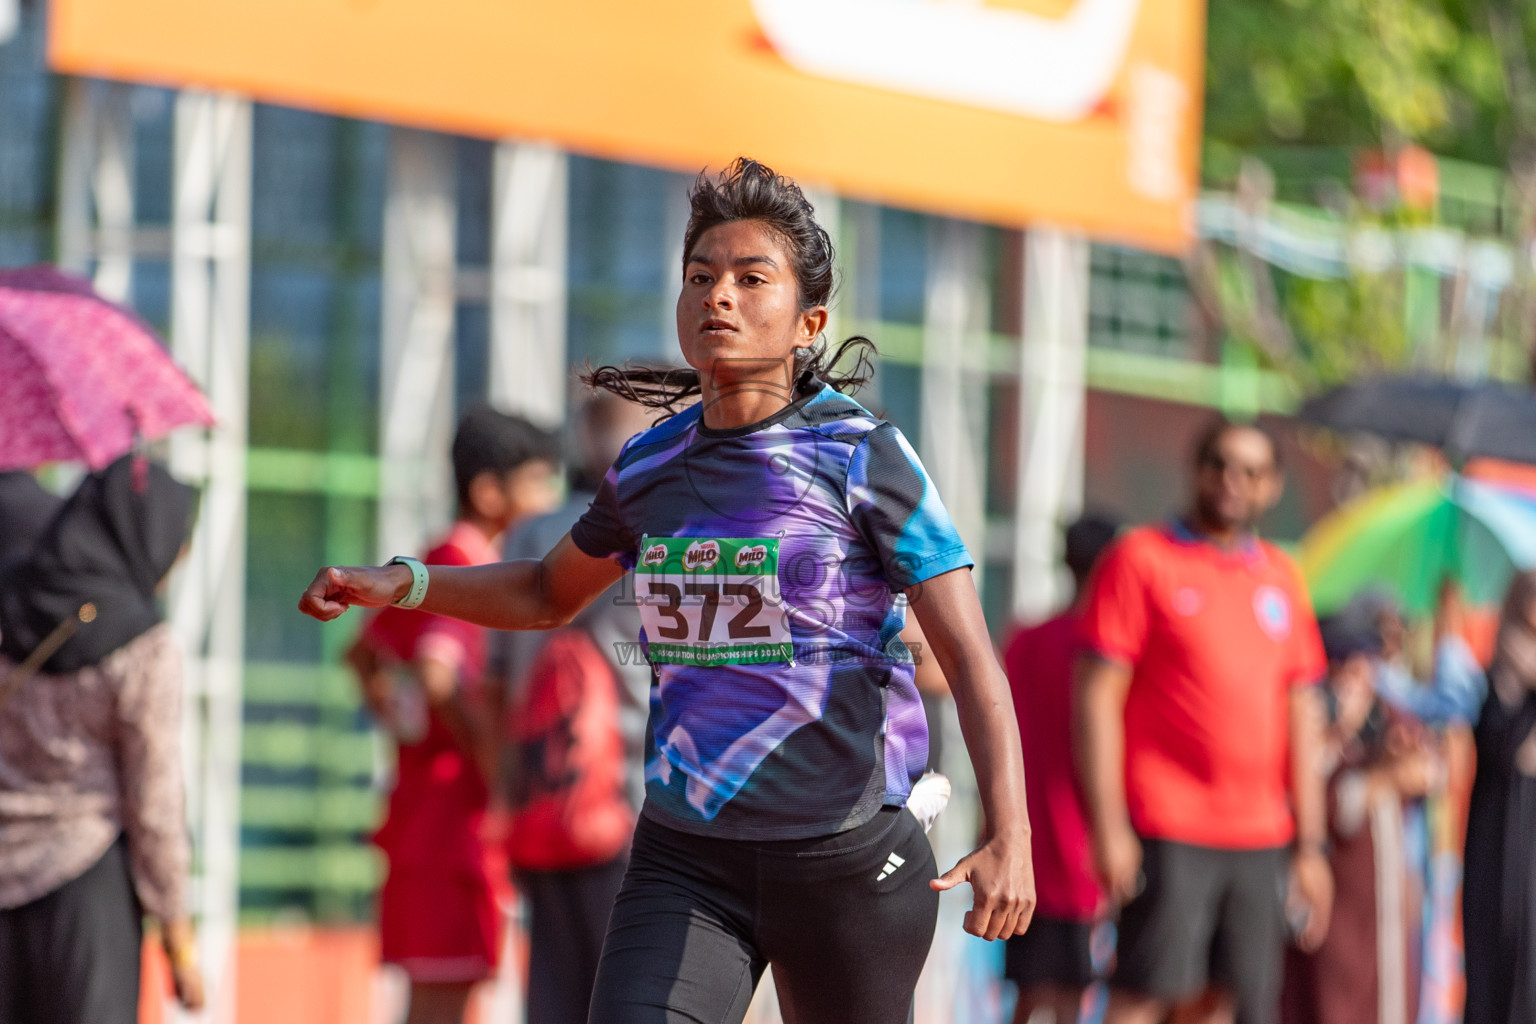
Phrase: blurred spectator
(1198, 730)
(25, 511)
(578, 701)
(1499, 898)
(1454, 691)
(421, 676)
(93, 831)
(1052, 963)
(1367, 969)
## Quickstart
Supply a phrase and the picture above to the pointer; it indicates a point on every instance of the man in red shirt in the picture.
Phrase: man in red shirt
(1198, 730)
(421, 675)
(1052, 963)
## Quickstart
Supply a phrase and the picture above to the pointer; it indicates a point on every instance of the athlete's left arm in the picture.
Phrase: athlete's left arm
(1000, 871)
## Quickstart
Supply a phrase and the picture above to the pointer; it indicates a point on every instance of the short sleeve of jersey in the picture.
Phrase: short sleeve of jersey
(1115, 616)
(601, 532)
(895, 506)
(1308, 662)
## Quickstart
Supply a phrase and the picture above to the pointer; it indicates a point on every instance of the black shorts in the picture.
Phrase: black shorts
(846, 921)
(1206, 917)
(1054, 951)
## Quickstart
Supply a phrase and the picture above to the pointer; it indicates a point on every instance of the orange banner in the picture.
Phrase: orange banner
(1083, 113)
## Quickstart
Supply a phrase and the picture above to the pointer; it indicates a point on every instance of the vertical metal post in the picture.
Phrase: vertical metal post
(416, 408)
(954, 434)
(1469, 331)
(953, 447)
(210, 335)
(1051, 398)
(674, 226)
(96, 216)
(860, 245)
(859, 251)
(829, 214)
(75, 235)
(528, 294)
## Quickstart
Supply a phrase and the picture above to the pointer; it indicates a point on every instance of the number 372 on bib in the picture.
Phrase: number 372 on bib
(708, 601)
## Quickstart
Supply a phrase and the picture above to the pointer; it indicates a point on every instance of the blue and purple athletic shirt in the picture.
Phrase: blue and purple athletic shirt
(768, 564)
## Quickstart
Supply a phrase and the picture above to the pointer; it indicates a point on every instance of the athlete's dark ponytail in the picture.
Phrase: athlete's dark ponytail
(748, 190)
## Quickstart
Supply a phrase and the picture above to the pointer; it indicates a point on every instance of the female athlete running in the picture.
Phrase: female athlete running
(770, 528)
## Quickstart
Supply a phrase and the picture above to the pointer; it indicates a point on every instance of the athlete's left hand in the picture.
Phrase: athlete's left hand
(1002, 878)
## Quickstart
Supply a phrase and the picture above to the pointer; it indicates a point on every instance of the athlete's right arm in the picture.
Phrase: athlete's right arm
(1098, 719)
(524, 594)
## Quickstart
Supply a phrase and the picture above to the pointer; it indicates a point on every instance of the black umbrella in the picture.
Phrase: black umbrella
(1465, 420)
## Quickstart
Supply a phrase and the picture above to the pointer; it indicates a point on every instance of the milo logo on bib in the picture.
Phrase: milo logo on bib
(701, 554)
(712, 601)
(754, 554)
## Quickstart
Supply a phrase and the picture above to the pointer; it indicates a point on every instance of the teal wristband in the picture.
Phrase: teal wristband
(418, 591)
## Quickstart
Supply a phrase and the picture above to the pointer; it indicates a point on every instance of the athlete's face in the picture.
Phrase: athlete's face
(1238, 481)
(739, 315)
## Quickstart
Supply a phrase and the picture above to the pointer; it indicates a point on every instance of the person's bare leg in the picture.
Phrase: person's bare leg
(1214, 1006)
(438, 1004)
(1133, 1008)
(1063, 1003)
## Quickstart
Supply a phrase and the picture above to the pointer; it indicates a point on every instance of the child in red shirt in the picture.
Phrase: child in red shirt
(421, 676)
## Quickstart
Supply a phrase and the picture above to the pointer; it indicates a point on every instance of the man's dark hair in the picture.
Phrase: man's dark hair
(1086, 540)
(1218, 427)
(489, 440)
(749, 190)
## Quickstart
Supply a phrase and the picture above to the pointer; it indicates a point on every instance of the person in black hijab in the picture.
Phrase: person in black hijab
(110, 546)
(1499, 891)
(93, 833)
(25, 512)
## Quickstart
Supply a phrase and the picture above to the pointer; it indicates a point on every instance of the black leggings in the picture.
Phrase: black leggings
(846, 921)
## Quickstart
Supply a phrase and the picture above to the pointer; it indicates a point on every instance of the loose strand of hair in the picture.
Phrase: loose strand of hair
(662, 388)
(824, 367)
(667, 389)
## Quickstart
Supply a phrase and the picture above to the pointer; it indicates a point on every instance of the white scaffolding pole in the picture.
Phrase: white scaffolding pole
(10, 19)
(954, 451)
(528, 293)
(954, 433)
(829, 214)
(96, 217)
(674, 226)
(1051, 397)
(416, 408)
(860, 246)
(210, 336)
(859, 254)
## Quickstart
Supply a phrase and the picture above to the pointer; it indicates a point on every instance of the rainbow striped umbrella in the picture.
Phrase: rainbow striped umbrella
(1409, 537)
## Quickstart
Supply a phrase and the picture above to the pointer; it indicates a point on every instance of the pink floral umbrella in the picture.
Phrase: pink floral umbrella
(81, 377)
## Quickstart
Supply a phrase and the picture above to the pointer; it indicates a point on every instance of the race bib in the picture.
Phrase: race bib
(712, 602)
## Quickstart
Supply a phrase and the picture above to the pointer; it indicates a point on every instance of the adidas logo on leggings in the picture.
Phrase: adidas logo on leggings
(891, 864)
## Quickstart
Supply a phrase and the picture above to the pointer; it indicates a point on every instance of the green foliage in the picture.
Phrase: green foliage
(1305, 86)
(1360, 73)
(1347, 328)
